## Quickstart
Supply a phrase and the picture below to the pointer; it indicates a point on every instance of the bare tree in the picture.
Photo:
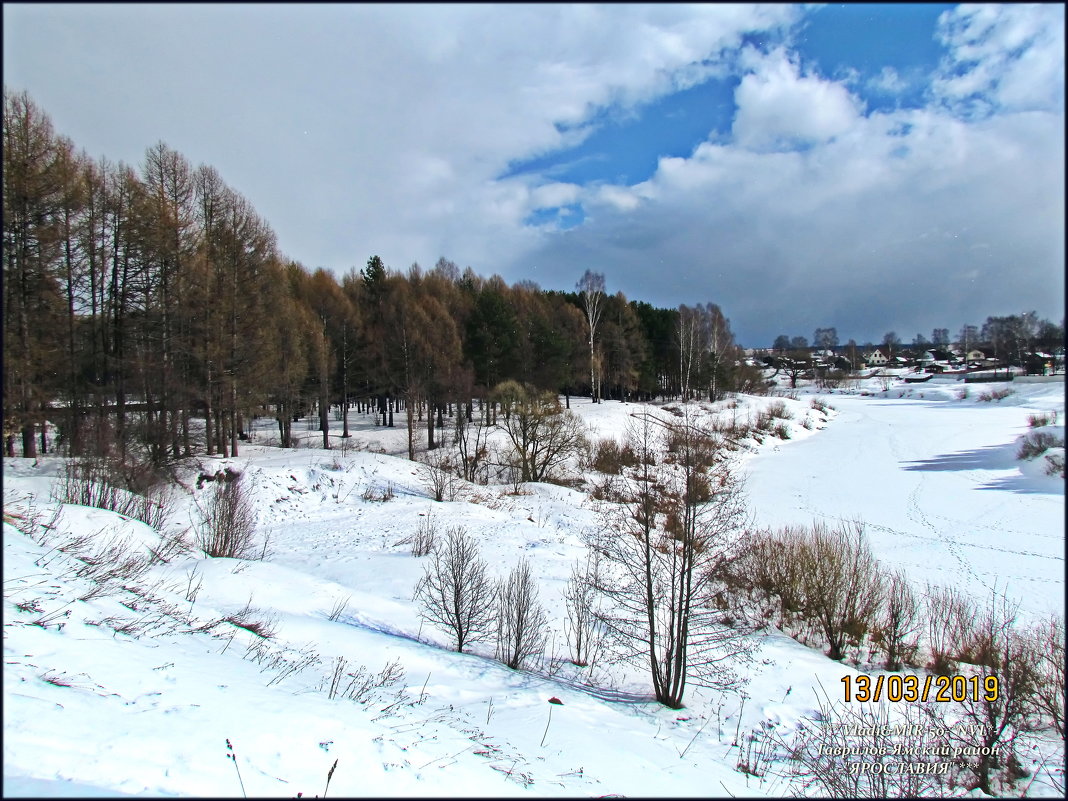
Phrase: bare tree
(520, 618)
(437, 471)
(470, 435)
(455, 593)
(668, 547)
(591, 289)
(581, 627)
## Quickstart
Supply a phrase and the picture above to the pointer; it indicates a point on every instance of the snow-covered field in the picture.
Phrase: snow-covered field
(117, 692)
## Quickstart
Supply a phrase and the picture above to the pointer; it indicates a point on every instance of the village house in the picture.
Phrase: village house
(876, 358)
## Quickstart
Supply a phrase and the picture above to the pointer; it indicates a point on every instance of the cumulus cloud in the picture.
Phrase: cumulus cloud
(777, 106)
(906, 219)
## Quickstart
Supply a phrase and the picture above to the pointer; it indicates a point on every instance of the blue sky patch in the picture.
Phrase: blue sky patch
(626, 149)
(886, 53)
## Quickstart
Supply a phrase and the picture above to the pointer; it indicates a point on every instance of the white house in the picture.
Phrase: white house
(877, 358)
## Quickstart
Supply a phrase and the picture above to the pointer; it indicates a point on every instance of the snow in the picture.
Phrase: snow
(90, 710)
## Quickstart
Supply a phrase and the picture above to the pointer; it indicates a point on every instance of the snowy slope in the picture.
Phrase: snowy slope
(118, 692)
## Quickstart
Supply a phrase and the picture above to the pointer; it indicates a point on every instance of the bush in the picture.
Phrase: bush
(543, 435)
(580, 628)
(425, 537)
(610, 457)
(439, 474)
(228, 523)
(825, 752)
(777, 410)
(1048, 698)
(379, 493)
(1036, 443)
(520, 618)
(820, 405)
(995, 395)
(455, 593)
(897, 633)
(1040, 420)
(842, 585)
(949, 615)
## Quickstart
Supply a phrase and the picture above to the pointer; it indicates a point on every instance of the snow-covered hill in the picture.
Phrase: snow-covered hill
(113, 690)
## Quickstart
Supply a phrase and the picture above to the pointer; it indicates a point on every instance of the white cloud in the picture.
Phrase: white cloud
(888, 81)
(620, 198)
(777, 106)
(412, 113)
(910, 219)
(1008, 58)
(552, 195)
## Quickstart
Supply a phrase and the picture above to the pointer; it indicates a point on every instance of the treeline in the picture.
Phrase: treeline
(1012, 338)
(139, 299)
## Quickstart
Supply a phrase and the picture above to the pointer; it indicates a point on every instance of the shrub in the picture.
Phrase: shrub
(228, 523)
(425, 537)
(379, 493)
(580, 627)
(820, 405)
(898, 628)
(824, 752)
(777, 410)
(520, 618)
(543, 435)
(1048, 698)
(455, 593)
(991, 727)
(610, 457)
(1040, 420)
(439, 474)
(995, 395)
(949, 616)
(842, 584)
(782, 431)
(1036, 443)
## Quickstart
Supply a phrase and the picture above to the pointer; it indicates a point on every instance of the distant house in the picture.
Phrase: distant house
(976, 355)
(876, 358)
(927, 358)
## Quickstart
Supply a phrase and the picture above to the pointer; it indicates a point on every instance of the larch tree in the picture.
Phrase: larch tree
(33, 198)
(668, 546)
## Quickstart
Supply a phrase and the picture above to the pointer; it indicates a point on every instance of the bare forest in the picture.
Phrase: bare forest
(138, 298)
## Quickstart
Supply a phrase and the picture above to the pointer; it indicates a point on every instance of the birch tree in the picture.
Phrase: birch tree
(591, 291)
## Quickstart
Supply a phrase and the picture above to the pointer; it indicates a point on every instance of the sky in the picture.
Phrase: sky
(867, 167)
